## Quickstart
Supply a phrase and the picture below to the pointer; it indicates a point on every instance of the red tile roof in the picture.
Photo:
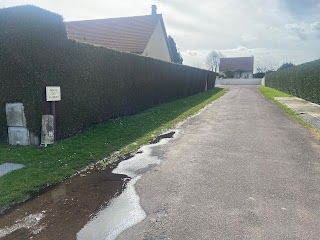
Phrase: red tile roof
(128, 34)
(236, 64)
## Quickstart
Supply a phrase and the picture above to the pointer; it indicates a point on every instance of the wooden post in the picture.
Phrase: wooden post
(53, 94)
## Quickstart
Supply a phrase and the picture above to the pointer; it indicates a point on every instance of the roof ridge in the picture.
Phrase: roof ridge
(237, 57)
(99, 19)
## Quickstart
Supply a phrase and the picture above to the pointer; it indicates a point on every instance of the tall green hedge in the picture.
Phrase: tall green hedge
(302, 81)
(97, 84)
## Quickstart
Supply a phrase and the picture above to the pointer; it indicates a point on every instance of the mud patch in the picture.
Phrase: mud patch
(162, 136)
(64, 209)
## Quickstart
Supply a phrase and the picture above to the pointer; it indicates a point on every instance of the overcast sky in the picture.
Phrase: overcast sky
(273, 31)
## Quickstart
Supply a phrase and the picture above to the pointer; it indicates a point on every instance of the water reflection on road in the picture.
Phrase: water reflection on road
(125, 211)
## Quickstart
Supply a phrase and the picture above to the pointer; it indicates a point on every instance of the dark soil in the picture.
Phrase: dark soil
(68, 206)
(166, 135)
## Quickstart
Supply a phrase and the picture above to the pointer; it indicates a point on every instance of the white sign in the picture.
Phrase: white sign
(53, 94)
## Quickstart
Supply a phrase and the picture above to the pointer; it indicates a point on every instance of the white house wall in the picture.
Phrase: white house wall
(243, 75)
(240, 81)
(157, 45)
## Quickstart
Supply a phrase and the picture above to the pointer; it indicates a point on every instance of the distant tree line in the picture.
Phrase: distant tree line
(261, 71)
(286, 65)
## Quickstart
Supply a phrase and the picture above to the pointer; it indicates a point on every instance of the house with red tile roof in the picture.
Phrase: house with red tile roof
(143, 35)
(242, 67)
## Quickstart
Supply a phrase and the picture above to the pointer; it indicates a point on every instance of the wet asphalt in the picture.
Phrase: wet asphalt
(242, 169)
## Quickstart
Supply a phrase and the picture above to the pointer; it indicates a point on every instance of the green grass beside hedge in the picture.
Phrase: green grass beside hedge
(46, 166)
(271, 94)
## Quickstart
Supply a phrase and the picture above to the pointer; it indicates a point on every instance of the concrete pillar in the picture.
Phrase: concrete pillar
(17, 124)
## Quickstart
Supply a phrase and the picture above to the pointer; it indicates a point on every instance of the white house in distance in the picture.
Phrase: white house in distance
(242, 67)
(143, 35)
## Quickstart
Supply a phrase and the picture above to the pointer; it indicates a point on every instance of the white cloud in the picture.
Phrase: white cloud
(315, 27)
(303, 31)
(248, 38)
(192, 53)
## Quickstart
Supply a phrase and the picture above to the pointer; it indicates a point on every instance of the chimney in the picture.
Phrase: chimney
(154, 10)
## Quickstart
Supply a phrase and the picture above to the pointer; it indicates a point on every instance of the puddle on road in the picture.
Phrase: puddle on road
(65, 208)
(125, 211)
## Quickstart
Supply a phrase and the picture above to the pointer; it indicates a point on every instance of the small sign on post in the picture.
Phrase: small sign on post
(53, 94)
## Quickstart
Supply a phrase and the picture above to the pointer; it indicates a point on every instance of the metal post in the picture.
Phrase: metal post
(53, 112)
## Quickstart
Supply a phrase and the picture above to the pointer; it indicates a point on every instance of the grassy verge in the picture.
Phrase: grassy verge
(271, 94)
(46, 166)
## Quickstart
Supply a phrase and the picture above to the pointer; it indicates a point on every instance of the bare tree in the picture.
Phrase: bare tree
(213, 60)
(266, 64)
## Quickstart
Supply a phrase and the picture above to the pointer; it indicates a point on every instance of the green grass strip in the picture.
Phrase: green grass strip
(46, 166)
(271, 94)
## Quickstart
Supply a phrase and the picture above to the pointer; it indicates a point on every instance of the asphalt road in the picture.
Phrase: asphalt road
(242, 169)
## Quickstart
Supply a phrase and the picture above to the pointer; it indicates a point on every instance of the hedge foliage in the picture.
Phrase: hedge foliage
(97, 83)
(302, 81)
